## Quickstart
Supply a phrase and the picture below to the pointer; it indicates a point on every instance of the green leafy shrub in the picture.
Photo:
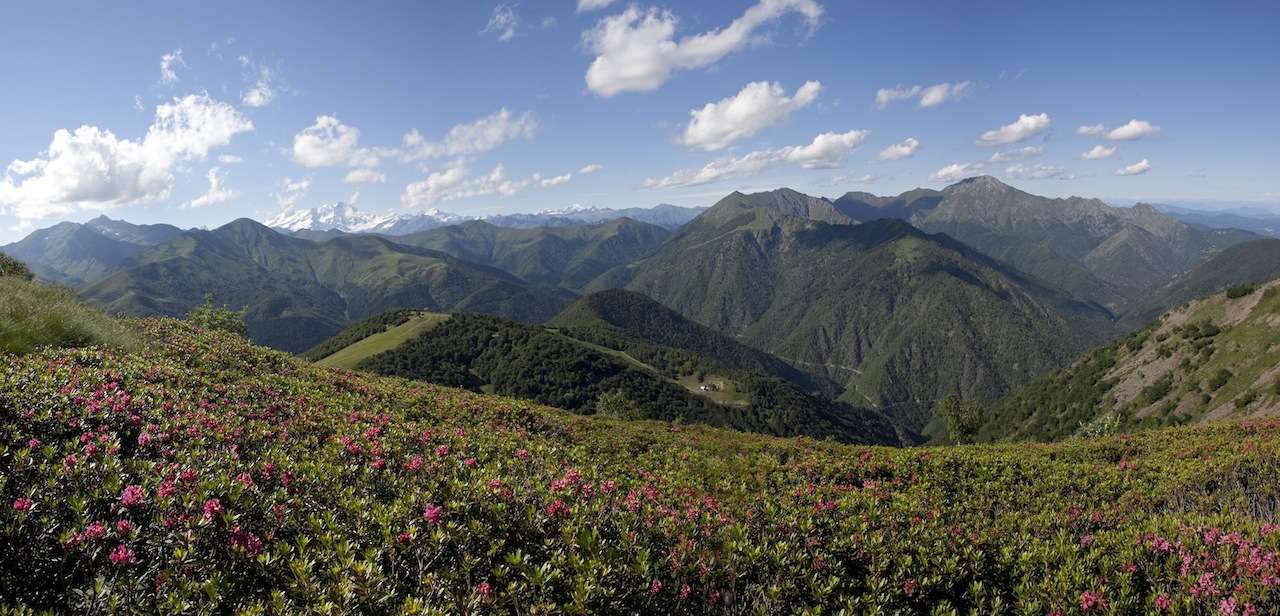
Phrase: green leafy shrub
(35, 315)
(1246, 398)
(964, 418)
(222, 318)
(1156, 391)
(1219, 379)
(10, 266)
(1240, 290)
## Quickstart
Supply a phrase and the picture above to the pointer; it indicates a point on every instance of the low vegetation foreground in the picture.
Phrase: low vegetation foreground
(206, 475)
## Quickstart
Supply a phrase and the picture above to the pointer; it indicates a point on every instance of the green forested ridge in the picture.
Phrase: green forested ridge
(1215, 358)
(299, 293)
(484, 353)
(1254, 261)
(660, 336)
(565, 256)
(1104, 254)
(898, 317)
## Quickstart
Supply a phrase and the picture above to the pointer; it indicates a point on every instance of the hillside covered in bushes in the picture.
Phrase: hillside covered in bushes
(208, 475)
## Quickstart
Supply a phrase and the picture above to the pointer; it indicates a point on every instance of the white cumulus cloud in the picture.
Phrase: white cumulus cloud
(365, 176)
(930, 96)
(956, 172)
(1025, 127)
(591, 168)
(1098, 152)
(472, 138)
(1133, 130)
(1137, 168)
(545, 182)
(503, 22)
(899, 151)
(592, 5)
(1037, 172)
(168, 67)
(264, 88)
(91, 168)
(217, 192)
(758, 105)
(454, 183)
(229, 159)
(1023, 153)
(933, 96)
(636, 51)
(827, 150)
(330, 143)
(291, 192)
(1091, 129)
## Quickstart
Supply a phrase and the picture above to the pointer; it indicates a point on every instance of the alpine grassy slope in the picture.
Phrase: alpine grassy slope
(1215, 358)
(209, 475)
(898, 317)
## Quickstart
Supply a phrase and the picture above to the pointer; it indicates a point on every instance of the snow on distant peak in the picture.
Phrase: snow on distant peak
(346, 218)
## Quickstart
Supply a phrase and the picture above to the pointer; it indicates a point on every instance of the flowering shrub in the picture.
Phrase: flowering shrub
(264, 484)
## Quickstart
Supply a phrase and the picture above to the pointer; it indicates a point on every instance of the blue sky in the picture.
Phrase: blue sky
(485, 107)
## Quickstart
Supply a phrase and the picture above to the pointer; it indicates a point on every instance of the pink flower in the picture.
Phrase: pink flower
(522, 454)
(70, 461)
(558, 508)
(124, 527)
(442, 451)
(404, 537)
(655, 587)
(433, 513)
(22, 504)
(144, 439)
(133, 496)
(212, 507)
(1162, 601)
(34, 443)
(484, 590)
(469, 462)
(414, 463)
(1090, 600)
(1227, 607)
(245, 479)
(187, 476)
(166, 489)
(122, 556)
(95, 531)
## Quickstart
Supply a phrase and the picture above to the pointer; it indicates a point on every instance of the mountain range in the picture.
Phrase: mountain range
(897, 316)
(1096, 252)
(297, 292)
(886, 302)
(71, 253)
(344, 218)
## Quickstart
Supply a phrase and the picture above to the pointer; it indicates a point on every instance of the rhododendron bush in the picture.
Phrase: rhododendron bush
(208, 475)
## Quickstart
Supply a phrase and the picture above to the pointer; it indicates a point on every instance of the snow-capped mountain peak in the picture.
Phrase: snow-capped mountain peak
(346, 218)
